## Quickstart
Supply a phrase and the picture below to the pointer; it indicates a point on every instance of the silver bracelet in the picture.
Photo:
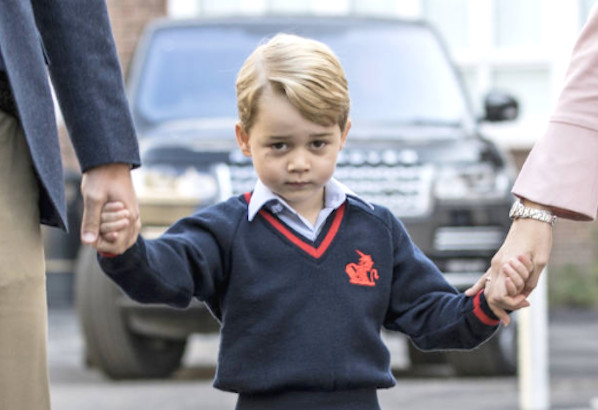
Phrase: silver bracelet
(518, 210)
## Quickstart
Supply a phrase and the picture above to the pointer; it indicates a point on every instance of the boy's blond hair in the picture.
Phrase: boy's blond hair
(304, 70)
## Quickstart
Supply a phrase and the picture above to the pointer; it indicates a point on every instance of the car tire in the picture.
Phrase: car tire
(110, 344)
(496, 357)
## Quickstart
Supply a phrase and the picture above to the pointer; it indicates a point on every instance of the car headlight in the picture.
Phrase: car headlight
(164, 185)
(478, 181)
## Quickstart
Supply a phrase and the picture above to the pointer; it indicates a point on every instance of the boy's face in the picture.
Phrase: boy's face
(291, 155)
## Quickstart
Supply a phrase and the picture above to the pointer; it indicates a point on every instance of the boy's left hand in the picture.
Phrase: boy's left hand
(511, 278)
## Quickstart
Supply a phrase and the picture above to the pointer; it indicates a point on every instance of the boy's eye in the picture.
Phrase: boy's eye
(278, 146)
(318, 144)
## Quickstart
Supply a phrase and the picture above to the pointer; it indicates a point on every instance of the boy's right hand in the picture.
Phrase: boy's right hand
(115, 237)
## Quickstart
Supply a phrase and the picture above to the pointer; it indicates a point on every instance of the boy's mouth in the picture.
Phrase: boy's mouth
(297, 184)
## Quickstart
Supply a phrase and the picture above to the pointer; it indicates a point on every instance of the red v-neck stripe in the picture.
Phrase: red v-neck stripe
(310, 250)
(307, 248)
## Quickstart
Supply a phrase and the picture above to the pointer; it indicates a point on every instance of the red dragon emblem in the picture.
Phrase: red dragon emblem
(362, 273)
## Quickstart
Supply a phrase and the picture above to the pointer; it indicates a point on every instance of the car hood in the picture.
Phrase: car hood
(215, 135)
(421, 144)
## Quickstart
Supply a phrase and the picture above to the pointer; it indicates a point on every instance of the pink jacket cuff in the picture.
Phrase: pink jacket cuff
(561, 171)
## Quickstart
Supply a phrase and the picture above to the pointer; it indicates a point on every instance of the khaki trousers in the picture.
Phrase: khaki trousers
(23, 312)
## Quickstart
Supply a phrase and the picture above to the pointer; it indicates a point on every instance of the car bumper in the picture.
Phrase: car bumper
(462, 238)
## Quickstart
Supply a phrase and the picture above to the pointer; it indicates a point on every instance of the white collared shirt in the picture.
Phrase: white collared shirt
(335, 194)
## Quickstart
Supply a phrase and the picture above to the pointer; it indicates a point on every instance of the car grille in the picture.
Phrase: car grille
(381, 177)
(458, 238)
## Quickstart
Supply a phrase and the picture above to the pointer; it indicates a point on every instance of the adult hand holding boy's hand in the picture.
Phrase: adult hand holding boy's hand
(100, 185)
(526, 236)
(115, 235)
(502, 291)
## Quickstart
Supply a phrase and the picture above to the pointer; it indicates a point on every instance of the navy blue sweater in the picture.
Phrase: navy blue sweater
(299, 315)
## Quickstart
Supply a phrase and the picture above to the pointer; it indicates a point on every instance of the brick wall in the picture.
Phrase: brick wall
(128, 17)
(574, 243)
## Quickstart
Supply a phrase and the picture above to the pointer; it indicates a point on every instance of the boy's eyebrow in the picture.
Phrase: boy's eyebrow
(279, 137)
(320, 134)
(289, 136)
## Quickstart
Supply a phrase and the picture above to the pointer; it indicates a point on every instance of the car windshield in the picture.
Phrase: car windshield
(397, 74)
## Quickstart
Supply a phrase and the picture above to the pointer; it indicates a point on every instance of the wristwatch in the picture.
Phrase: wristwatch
(518, 210)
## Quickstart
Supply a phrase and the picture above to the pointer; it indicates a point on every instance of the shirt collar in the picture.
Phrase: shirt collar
(335, 194)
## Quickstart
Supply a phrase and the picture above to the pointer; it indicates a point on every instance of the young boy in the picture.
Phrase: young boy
(301, 273)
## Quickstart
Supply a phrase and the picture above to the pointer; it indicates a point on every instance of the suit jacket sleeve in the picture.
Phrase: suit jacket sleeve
(87, 78)
(561, 170)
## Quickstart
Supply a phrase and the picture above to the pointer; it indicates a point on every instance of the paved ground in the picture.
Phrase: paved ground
(573, 355)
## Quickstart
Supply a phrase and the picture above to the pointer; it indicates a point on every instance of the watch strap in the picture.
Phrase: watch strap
(518, 210)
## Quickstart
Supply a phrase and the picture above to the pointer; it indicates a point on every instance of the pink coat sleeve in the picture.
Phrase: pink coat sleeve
(562, 168)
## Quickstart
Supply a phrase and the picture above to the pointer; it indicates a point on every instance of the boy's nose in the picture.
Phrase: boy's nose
(298, 163)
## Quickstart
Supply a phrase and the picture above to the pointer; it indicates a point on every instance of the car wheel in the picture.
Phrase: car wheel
(110, 344)
(496, 357)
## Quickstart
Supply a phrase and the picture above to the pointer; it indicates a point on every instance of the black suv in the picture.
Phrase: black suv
(414, 147)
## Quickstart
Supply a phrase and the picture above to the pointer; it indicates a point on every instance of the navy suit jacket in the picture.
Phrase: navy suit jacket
(72, 39)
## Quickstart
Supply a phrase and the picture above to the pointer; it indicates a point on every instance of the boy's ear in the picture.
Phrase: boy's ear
(242, 139)
(344, 134)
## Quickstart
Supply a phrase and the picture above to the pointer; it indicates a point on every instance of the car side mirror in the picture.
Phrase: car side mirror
(500, 106)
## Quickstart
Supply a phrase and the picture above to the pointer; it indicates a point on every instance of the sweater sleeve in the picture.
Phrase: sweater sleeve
(189, 260)
(427, 308)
